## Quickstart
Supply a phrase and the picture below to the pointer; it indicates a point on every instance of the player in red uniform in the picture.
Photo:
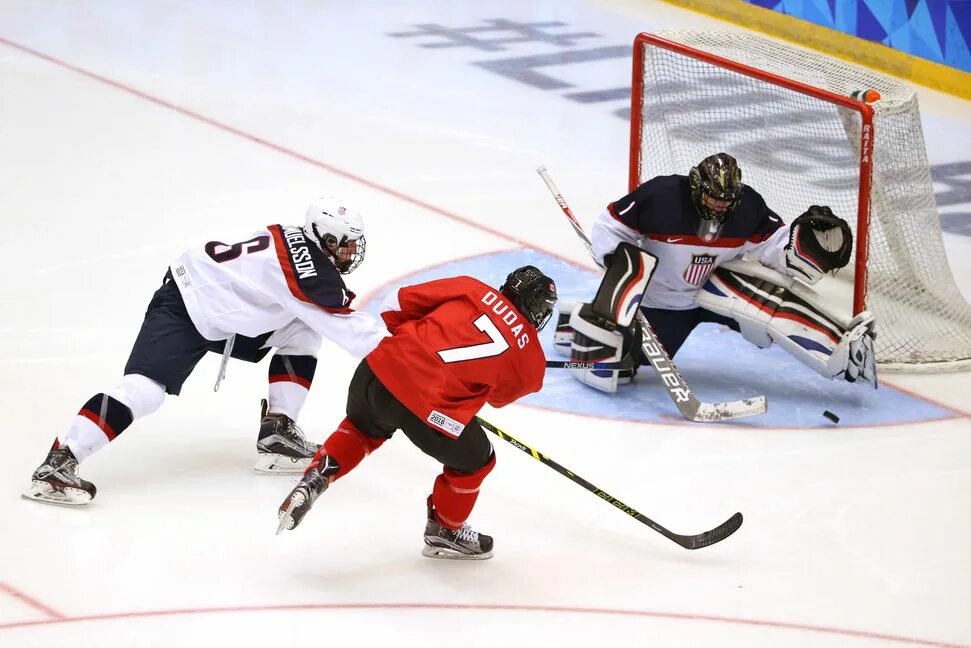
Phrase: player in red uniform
(456, 344)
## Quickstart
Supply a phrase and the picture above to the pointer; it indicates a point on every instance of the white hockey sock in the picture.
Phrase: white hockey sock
(287, 398)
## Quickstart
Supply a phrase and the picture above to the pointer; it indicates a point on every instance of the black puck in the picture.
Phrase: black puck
(832, 417)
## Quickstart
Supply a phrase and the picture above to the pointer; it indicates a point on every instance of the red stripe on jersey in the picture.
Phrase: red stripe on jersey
(789, 316)
(303, 382)
(725, 242)
(100, 422)
(283, 256)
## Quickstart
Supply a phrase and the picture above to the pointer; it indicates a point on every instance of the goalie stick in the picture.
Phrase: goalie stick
(674, 383)
(697, 541)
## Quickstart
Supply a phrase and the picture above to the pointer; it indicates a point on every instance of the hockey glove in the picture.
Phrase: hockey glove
(819, 242)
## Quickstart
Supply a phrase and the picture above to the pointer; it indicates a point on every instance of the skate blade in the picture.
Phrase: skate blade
(441, 553)
(40, 491)
(276, 464)
(286, 521)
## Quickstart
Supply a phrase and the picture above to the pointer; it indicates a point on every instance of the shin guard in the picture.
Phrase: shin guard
(454, 494)
(348, 446)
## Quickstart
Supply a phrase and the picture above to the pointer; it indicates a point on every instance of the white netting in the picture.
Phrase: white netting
(797, 150)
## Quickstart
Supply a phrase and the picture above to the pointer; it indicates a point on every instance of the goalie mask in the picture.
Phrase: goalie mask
(716, 187)
(338, 230)
(532, 293)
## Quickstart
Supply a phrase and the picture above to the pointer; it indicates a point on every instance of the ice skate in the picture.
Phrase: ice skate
(314, 482)
(454, 544)
(281, 445)
(56, 481)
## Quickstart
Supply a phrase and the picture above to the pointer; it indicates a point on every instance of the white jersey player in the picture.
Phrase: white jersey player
(281, 287)
(674, 247)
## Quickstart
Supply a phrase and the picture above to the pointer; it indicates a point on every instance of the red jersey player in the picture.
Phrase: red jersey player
(455, 345)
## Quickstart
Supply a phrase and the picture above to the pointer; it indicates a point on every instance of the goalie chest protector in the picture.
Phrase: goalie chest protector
(662, 212)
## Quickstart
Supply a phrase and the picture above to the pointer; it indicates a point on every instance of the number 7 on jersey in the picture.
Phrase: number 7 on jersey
(496, 345)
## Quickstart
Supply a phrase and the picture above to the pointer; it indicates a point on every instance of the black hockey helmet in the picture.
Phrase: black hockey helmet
(532, 293)
(716, 187)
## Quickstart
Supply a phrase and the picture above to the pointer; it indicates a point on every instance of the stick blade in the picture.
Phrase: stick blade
(739, 409)
(719, 533)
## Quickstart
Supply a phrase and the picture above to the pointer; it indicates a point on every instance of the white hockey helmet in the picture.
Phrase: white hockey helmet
(338, 230)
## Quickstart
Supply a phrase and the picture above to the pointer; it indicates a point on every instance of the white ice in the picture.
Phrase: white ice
(131, 130)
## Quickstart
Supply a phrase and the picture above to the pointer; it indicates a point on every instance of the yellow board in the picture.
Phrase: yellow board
(836, 43)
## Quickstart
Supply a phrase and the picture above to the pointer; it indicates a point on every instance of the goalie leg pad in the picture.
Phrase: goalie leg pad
(629, 269)
(594, 342)
(563, 336)
(854, 359)
(769, 313)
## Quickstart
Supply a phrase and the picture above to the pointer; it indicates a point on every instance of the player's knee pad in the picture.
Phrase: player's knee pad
(295, 338)
(597, 341)
(348, 445)
(139, 394)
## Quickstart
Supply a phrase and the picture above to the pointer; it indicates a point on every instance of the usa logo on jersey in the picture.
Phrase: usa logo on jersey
(700, 267)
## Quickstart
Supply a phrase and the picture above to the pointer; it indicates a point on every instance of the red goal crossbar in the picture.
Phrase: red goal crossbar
(866, 137)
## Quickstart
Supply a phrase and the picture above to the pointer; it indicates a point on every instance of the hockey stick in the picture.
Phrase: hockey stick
(719, 533)
(687, 403)
(569, 364)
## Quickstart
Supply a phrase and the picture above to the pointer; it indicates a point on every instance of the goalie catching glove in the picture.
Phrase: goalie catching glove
(819, 241)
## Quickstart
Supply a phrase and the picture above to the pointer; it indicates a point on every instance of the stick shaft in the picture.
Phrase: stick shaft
(544, 174)
(698, 541)
(569, 364)
(576, 479)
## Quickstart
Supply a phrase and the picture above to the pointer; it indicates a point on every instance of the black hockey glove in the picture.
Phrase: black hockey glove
(819, 242)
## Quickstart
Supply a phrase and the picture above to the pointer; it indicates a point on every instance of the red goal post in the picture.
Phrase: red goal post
(866, 137)
(788, 116)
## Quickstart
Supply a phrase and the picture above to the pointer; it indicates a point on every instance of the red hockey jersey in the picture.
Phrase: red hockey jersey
(456, 344)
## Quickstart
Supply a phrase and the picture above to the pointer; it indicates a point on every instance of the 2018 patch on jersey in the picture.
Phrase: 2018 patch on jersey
(700, 267)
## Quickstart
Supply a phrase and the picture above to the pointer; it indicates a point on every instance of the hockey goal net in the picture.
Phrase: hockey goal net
(787, 116)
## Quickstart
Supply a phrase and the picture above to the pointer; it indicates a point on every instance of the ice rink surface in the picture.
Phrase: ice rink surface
(132, 130)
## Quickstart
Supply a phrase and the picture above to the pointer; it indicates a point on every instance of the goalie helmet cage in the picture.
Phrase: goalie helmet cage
(788, 116)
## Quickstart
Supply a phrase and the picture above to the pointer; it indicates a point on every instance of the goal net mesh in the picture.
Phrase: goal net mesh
(798, 150)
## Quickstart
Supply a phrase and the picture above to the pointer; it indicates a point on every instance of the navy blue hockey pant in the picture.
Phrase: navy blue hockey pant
(169, 346)
(673, 326)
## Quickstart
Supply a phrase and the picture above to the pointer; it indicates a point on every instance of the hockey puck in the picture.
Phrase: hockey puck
(832, 417)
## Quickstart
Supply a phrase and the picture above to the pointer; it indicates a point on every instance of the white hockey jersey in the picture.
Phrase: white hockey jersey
(660, 217)
(269, 280)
